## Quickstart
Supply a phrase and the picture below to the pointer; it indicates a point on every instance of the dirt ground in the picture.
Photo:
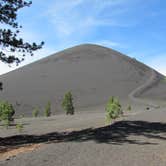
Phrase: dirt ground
(137, 138)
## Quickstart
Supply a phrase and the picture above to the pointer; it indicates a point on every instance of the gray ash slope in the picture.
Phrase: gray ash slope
(93, 73)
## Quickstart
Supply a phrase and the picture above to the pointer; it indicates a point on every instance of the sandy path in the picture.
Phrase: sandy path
(134, 95)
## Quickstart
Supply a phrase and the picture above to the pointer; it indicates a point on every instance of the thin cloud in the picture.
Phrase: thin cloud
(108, 43)
(80, 16)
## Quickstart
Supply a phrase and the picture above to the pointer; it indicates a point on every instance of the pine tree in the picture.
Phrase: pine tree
(129, 108)
(35, 112)
(9, 35)
(113, 109)
(6, 111)
(10, 41)
(48, 109)
(67, 103)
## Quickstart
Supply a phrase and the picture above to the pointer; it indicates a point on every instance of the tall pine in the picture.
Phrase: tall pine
(67, 103)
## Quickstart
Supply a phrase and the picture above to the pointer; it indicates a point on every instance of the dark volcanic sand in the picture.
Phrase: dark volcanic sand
(137, 140)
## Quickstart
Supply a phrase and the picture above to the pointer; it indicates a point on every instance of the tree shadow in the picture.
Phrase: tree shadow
(117, 133)
(13, 125)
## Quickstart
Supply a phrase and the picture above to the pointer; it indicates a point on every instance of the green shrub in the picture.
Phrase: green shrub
(129, 108)
(113, 109)
(67, 103)
(19, 127)
(48, 110)
(35, 112)
(6, 111)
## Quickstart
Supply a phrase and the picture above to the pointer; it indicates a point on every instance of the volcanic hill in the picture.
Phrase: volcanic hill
(92, 73)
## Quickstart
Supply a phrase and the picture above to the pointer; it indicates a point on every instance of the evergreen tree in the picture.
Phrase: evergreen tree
(129, 108)
(67, 103)
(113, 109)
(10, 41)
(35, 112)
(48, 109)
(6, 111)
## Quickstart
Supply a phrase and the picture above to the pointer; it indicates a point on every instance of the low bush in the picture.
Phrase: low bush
(113, 109)
(47, 112)
(129, 108)
(6, 111)
(19, 127)
(35, 112)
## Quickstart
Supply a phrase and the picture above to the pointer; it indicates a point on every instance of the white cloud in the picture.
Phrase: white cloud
(91, 21)
(108, 43)
(79, 16)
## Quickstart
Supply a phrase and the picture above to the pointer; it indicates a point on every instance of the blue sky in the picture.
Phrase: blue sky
(136, 28)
